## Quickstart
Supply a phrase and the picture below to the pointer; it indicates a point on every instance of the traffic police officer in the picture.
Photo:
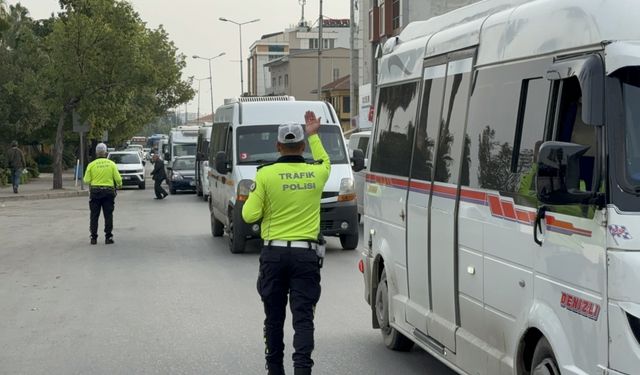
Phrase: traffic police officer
(286, 196)
(103, 177)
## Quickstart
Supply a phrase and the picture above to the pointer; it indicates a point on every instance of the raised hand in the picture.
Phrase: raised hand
(312, 123)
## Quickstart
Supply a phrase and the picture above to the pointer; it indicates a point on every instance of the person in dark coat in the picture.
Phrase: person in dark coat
(17, 164)
(158, 174)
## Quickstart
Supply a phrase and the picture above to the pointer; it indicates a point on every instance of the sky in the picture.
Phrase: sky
(194, 27)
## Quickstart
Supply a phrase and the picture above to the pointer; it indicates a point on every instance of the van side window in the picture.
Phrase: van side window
(426, 132)
(451, 137)
(229, 146)
(571, 128)
(218, 140)
(529, 137)
(363, 144)
(394, 129)
(507, 117)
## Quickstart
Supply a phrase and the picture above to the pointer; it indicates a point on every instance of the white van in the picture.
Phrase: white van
(502, 209)
(360, 141)
(202, 162)
(244, 136)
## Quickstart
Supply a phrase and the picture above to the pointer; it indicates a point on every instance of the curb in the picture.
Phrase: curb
(47, 195)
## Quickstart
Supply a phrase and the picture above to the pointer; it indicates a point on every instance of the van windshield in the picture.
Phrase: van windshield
(630, 79)
(257, 144)
(186, 149)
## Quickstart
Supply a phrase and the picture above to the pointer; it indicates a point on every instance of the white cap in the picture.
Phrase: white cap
(290, 133)
(101, 147)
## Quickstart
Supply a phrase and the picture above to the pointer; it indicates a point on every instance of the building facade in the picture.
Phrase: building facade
(335, 34)
(296, 73)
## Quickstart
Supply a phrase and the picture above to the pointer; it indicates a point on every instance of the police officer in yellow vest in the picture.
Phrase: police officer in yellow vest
(286, 196)
(103, 177)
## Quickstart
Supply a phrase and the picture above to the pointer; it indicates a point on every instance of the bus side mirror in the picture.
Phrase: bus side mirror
(357, 161)
(221, 163)
(558, 178)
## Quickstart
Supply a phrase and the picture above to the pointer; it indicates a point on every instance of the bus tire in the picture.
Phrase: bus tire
(544, 361)
(393, 339)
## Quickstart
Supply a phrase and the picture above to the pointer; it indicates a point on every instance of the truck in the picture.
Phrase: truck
(182, 142)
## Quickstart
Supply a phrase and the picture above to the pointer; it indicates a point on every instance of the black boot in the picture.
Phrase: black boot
(94, 240)
(302, 371)
(275, 370)
(108, 240)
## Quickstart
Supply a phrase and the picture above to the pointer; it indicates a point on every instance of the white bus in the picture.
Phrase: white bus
(502, 206)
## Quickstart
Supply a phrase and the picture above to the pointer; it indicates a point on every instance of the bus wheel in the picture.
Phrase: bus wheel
(544, 362)
(393, 339)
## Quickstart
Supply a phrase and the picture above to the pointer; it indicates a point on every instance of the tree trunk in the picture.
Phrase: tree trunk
(57, 153)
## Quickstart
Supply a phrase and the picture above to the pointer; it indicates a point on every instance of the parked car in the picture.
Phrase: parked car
(131, 167)
(182, 174)
(360, 141)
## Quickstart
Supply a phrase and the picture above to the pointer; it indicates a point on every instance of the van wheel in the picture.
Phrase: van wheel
(172, 191)
(393, 339)
(236, 241)
(142, 186)
(217, 228)
(544, 362)
(349, 241)
(205, 197)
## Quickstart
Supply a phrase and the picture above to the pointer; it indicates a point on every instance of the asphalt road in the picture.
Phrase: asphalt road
(167, 298)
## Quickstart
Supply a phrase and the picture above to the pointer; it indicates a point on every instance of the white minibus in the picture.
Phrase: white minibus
(502, 200)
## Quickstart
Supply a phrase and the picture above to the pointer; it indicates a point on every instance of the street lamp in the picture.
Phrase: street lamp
(210, 75)
(199, 84)
(240, 29)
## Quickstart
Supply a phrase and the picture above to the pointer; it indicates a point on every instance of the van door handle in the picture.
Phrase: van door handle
(537, 225)
(402, 216)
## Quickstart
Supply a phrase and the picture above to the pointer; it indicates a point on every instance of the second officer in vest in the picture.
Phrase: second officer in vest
(286, 196)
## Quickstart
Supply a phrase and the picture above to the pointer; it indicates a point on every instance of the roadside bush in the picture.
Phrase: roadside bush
(5, 175)
(32, 167)
(44, 163)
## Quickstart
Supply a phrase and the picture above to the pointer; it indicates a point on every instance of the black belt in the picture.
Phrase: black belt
(303, 244)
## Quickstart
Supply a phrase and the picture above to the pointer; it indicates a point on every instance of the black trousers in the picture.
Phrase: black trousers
(293, 273)
(101, 199)
(159, 190)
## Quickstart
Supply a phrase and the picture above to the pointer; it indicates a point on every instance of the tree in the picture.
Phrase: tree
(22, 94)
(106, 65)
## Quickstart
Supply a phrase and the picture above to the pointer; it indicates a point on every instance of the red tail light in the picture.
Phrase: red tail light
(361, 266)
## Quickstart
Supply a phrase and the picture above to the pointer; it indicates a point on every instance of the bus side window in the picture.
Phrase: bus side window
(571, 128)
(529, 137)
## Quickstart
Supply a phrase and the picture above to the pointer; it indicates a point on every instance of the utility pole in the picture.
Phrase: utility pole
(353, 89)
(320, 23)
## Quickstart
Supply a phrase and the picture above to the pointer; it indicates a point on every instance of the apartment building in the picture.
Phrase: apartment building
(273, 46)
(296, 73)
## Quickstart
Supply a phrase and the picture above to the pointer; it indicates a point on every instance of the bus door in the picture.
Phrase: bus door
(419, 193)
(444, 318)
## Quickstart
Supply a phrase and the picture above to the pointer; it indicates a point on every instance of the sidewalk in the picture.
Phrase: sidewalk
(40, 188)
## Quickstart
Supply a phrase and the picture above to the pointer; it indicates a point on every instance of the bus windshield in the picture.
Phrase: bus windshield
(257, 144)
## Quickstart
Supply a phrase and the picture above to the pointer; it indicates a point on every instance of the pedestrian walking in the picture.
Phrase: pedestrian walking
(286, 196)
(103, 178)
(17, 164)
(158, 174)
